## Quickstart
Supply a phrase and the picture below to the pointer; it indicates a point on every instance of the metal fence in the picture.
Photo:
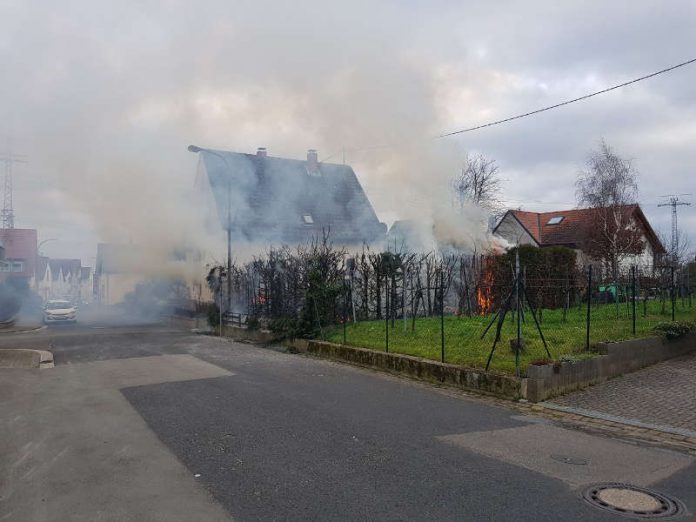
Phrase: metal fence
(471, 310)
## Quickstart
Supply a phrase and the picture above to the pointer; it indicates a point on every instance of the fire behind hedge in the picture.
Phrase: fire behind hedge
(550, 274)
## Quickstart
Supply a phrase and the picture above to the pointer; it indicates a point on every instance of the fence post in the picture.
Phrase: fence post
(220, 310)
(589, 307)
(442, 316)
(345, 309)
(519, 313)
(633, 292)
(674, 297)
(386, 314)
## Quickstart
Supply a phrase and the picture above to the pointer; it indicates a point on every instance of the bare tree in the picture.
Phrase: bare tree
(478, 182)
(608, 185)
(679, 253)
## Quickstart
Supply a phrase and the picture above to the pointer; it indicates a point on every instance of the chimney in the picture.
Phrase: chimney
(312, 160)
(261, 152)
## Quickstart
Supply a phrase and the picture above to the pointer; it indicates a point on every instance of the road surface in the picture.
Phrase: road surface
(151, 422)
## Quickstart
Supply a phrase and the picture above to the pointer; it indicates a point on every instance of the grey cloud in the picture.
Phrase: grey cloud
(104, 97)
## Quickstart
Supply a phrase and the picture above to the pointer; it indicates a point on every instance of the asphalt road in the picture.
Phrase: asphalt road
(162, 424)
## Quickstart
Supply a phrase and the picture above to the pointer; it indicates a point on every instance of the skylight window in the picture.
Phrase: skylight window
(308, 219)
(555, 220)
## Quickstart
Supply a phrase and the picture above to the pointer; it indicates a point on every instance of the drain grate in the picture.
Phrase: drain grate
(632, 501)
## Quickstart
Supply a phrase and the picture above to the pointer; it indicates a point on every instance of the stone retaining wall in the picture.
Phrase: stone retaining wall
(615, 359)
(24, 358)
(253, 336)
(424, 369)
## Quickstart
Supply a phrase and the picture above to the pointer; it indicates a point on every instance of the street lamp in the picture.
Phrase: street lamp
(195, 149)
(38, 248)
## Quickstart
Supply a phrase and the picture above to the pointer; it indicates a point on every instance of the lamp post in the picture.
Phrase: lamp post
(196, 150)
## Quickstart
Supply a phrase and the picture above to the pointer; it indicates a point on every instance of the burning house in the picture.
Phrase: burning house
(262, 199)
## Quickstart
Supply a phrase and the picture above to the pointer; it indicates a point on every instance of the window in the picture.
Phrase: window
(17, 266)
(555, 220)
(5, 266)
(308, 219)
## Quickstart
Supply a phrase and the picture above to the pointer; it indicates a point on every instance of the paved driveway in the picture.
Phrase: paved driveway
(663, 395)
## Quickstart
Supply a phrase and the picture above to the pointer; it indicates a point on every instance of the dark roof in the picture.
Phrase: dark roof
(269, 198)
(572, 227)
(68, 266)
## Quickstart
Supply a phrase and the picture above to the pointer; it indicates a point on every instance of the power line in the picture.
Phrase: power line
(519, 116)
(568, 102)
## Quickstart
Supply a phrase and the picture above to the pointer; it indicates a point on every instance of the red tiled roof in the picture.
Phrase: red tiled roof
(571, 229)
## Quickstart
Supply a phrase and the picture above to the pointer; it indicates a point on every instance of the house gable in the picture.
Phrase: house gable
(514, 230)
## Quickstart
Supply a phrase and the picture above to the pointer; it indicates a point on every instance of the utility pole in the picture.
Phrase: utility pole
(673, 201)
(7, 211)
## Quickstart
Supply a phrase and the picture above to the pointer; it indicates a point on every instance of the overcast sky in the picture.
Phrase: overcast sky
(104, 97)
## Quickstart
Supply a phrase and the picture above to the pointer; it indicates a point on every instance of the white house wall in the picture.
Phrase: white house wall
(511, 230)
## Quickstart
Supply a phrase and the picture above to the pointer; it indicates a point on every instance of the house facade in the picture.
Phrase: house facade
(20, 254)
(575, 228)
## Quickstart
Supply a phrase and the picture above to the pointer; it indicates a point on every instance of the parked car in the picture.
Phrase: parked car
(60, 311)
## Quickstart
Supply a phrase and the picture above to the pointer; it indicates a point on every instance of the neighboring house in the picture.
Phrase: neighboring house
(64, 279)
(269, 200)
(20, 254)
(572, 228)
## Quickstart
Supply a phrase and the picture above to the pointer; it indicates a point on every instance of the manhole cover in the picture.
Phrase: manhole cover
(632, 501)
(567, 459)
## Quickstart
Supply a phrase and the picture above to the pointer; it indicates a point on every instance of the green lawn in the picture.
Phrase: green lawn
(464, 346)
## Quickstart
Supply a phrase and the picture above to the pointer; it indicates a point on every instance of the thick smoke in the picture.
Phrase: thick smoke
(106, 116)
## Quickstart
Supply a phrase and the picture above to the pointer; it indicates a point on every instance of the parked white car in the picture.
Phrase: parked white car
(60, 311)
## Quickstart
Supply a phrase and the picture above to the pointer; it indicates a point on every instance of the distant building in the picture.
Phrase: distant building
(571, 228)
(20, 254)
(271, 200)
(64, 279)
(118, 270)
(411, 236)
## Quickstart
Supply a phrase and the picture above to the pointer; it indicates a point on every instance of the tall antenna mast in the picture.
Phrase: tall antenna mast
(673, 201)
(7, 211)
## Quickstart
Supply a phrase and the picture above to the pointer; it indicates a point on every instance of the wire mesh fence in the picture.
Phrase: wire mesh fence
(498, 312)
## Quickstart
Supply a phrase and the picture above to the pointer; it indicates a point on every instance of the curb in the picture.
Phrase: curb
(45, 359)
(24, 358)
(627, 429)
(38, 328)
(622, 420)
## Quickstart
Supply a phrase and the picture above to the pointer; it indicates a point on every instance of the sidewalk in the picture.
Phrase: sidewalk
(659, 398)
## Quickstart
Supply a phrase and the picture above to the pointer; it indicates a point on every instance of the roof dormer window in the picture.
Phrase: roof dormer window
(555, 220)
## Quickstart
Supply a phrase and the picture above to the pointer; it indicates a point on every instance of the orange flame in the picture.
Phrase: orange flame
(484, 293)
